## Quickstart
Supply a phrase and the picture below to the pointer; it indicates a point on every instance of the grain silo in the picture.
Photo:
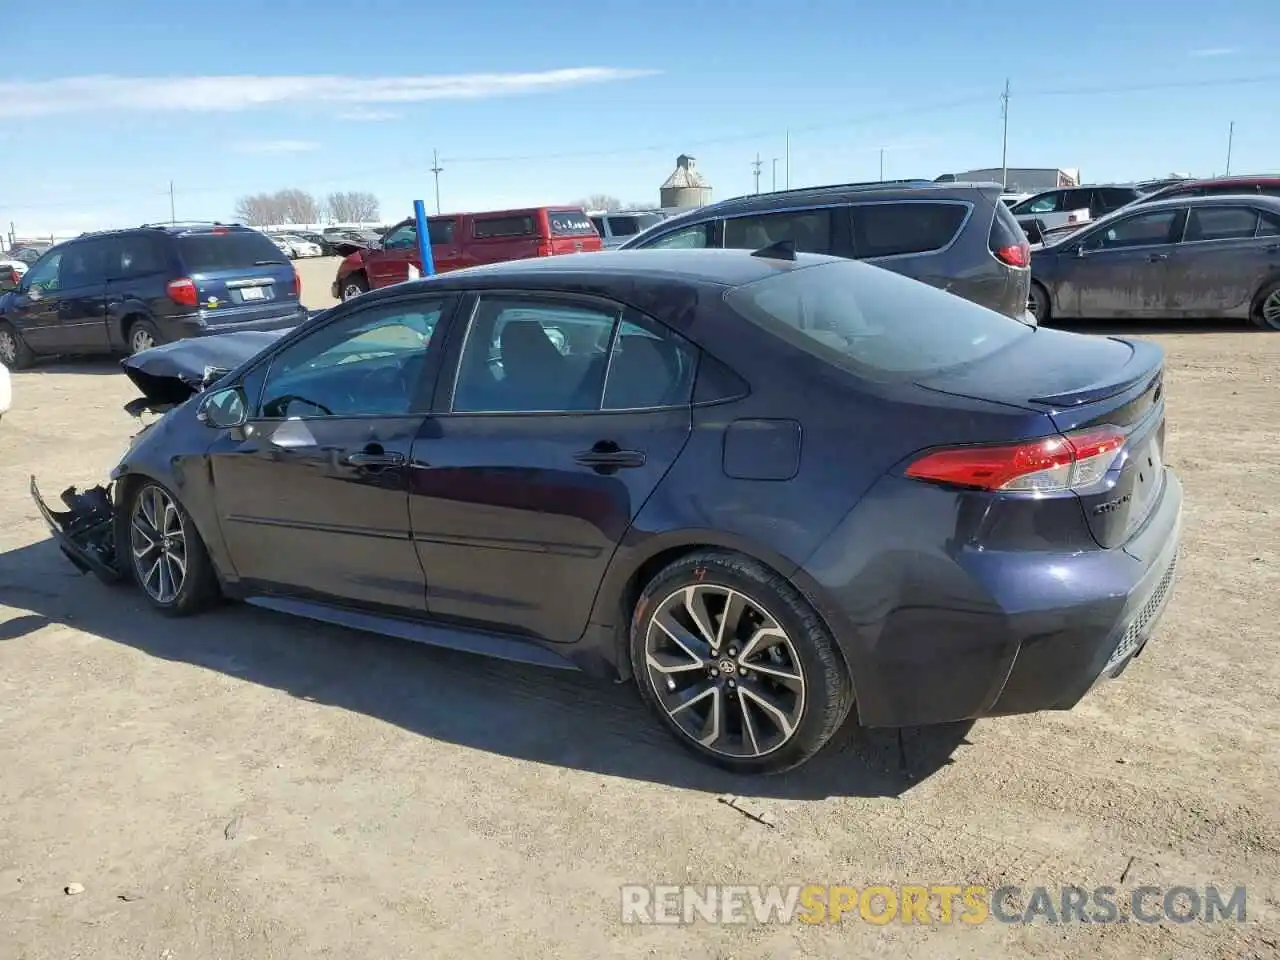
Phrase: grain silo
(685, 187)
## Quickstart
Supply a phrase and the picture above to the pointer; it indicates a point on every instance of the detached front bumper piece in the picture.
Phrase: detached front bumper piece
(85, 531)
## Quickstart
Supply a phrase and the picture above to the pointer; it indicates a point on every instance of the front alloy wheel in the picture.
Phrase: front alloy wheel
(158, 539)
(725, 671)
(140, 339)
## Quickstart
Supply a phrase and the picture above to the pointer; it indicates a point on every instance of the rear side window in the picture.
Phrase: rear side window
(810, 230)
(1221, 223)
(518, 226)
(570, 223)
(440, 231)
(133, 255)
(895, 229)
(874, 323)
(232, 250)
(1227, 189)
(623, 226)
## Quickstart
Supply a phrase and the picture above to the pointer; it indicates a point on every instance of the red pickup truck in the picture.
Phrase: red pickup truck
(467, 240)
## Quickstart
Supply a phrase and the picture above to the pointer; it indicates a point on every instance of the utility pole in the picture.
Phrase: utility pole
(882, 164)
(1004, 137)
(775, 173)
(1231, 136)
(172, 216)
(756, 164)
(788, 165)
(436, 169)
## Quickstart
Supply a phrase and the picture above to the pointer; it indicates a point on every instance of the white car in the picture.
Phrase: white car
(6, 392)
(295, 246)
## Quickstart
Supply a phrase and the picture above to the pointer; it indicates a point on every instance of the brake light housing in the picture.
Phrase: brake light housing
(1015, 254)
(1057, 464)
(297, 285)
(183, 292)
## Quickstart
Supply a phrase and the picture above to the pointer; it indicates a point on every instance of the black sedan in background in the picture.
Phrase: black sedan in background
(1186, 257)
(774, 489)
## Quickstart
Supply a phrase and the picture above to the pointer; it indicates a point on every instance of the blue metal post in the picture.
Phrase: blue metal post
(424, 239)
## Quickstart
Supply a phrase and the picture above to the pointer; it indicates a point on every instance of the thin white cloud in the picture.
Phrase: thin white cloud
(106, 93)
(365, 115)
(275, 146)
(1213, 52)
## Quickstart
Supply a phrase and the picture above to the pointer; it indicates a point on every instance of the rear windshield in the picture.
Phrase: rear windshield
(227, 251)
(515, 226)
(570, 223)
(872, 322)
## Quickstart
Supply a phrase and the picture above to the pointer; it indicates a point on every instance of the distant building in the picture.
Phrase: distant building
(685, 187)
(1026, 179)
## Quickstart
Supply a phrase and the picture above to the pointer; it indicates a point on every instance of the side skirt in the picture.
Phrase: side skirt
(438, 635)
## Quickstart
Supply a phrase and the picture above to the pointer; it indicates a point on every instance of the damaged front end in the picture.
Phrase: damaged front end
(167, 376)
(85, 531)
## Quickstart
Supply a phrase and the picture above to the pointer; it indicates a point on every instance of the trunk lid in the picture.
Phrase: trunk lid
(1083, 382)
(237, 269)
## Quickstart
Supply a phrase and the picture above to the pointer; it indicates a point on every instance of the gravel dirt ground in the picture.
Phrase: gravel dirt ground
(243, 785)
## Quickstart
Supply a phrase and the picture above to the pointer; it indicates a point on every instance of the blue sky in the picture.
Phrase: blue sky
(101, 105)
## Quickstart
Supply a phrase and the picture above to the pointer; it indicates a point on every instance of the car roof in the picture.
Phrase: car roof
(834, 195)
(1217, 200)
(597, 271)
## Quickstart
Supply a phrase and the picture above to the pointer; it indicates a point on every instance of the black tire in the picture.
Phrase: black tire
(14, 352)
(141, 335)
(199, 587)
(1266, 308)
(353, 286)
(1038, 302)
(827, 695)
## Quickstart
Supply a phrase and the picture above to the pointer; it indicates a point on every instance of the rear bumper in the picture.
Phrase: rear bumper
(211, 322)
(935, 630)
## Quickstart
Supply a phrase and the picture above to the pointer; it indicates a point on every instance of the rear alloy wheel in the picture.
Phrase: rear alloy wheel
(353, 286)
(170, 562)
(737, 664)
(1038, 302)
(1266, 312)
(14, 353)
(143, 336)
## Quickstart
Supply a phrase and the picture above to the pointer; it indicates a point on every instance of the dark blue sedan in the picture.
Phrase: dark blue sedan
(774, 490)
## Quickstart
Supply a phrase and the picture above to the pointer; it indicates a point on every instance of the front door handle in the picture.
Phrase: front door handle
(374, 459)
(1157, 257)
(608, 455)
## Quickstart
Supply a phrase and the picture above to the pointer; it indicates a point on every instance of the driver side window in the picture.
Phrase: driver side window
(369, 363)
(44, 274)
(405, 235)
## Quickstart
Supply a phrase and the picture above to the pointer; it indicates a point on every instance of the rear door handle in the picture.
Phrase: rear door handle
(374, 460)
(609, 455)
(1157, 257)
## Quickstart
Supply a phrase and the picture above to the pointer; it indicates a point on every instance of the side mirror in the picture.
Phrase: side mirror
(1078, 252)
(224, 409)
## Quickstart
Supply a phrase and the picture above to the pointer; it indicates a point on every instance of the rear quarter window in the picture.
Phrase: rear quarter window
(521, 225)
(227, 251)
(570, 223)
(874, 323)
(895, 229)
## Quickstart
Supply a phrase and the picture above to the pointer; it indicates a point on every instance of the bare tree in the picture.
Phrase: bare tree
(600, 201)
(352, 206)
(284, 206)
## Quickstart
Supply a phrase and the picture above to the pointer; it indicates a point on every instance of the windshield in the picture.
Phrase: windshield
(877, 324)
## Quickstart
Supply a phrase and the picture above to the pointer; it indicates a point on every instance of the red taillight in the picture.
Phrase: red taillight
(545, 248)
(1015, 255)
(183, 292)
(1047, 465)
(297, 285)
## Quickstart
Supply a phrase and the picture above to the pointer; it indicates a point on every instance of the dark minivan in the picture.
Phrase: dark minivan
(955, 236)
(122, 291)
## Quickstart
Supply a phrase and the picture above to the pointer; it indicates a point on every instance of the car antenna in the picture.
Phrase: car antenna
(782, 250)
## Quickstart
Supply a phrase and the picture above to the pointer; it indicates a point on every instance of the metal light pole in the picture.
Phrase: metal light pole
(1231, 136)
(436, 170)
(173, 217)
(755, 165)
(775, 173)
(882, 164)
(1004, 137)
